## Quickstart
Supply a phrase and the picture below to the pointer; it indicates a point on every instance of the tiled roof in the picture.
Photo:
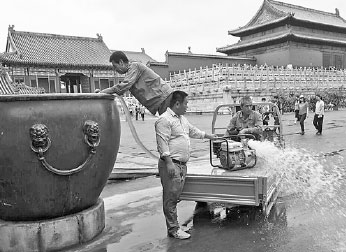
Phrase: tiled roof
(307, 14)
(7, 87)
(138, 56)
(194, 55)
(28, 48)
(284, 35)
(273, 11)
(156, 63)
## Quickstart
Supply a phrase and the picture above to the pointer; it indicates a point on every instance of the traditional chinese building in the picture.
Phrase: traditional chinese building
(141, 56)
(179, 62)
(283, 34)
(58, 63)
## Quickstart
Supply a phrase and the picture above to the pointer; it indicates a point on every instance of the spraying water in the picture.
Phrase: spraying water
(315, 184)
(305, 175)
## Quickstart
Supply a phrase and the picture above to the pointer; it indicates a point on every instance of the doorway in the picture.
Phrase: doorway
(71, 83)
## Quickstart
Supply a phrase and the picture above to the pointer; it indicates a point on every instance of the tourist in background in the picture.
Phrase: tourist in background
(131, 109)
(173, 132)
(142, 111)
(137, 112)
(319, 114)
(277, 111)
(264, 110)
(277, 102)
(296, 109)
(303, 112)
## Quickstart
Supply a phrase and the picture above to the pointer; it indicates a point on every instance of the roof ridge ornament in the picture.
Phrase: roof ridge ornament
(99, 36)
(11, 27)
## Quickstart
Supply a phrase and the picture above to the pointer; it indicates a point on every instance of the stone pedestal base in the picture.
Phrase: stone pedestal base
(53, 234)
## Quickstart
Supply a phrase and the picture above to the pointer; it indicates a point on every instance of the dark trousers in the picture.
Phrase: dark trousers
(296, 114)
(318, 122)
(172, 188)
(301, 121)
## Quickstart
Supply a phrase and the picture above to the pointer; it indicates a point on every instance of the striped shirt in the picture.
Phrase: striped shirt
(145, 85)
(173, 134)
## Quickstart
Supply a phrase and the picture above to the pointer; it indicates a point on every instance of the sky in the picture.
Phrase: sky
(155, 25)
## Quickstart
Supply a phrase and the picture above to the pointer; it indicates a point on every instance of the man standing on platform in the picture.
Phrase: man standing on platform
(173, 132)
(143, 83)
(319, 114)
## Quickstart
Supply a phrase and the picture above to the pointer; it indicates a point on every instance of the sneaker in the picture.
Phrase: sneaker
(302, 133)
(318, 133)
(186, 229)
(180, 234)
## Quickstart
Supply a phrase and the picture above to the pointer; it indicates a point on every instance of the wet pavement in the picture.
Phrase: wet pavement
(310, 214)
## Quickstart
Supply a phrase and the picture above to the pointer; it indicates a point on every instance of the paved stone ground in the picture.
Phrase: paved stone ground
(132, 156)
(135, 222)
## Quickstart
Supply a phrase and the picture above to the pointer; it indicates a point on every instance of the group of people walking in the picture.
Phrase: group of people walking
(137, 110)
(301, 109)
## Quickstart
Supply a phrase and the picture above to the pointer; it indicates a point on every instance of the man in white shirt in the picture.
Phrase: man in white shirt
(319, 114)
(173, 133)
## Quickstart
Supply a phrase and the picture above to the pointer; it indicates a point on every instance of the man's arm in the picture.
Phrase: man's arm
(194, 132)
(232, 125)
(131, 78)
(319, 109)
(163, 134)
(258, 123)
(307, 109)
(322, 108)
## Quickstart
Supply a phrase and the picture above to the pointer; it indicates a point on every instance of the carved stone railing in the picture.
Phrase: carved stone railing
(227, 83)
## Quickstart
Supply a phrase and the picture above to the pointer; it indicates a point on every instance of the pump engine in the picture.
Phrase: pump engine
(236, 155)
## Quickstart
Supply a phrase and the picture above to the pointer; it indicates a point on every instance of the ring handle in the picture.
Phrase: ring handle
(40, 143)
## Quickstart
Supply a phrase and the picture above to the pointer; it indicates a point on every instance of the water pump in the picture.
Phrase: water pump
(235, 155)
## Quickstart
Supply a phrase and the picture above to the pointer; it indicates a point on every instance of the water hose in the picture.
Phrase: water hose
(133, 129)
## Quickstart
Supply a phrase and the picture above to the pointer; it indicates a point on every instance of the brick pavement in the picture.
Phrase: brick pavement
(132, 156)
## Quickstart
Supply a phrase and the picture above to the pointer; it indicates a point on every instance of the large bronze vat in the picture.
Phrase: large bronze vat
(56, 153)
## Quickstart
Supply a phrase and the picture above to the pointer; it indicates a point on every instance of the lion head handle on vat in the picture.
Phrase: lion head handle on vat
(40, 143)
(39, 137)
(91, 133)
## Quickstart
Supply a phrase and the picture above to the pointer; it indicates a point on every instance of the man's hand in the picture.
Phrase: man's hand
(245, 131)
(211, 136)
(171, 169)
(319, 116)
(170, 166)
